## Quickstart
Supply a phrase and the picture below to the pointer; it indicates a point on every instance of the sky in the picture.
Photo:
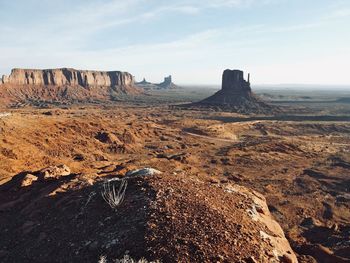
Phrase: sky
(277, 41)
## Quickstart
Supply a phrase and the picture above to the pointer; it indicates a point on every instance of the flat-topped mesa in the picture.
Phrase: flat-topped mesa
(68, 77)
(233, 81)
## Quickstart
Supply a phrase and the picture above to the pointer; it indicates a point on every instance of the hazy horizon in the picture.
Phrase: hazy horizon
(279, 42)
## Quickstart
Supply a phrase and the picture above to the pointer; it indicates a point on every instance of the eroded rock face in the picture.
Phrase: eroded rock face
(65, 86)
(70, 77)
(272, 232)
(233, 81)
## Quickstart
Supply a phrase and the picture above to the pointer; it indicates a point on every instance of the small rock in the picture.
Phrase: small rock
(143, 172)
(28, 180)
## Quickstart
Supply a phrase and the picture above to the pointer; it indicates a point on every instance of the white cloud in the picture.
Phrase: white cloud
(340, 13)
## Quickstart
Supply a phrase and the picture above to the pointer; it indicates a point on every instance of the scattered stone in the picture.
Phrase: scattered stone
(28, 180)
(54, 172)
(143, 172)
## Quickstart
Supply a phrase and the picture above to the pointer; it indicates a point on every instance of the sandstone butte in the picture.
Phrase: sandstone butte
(236, 95)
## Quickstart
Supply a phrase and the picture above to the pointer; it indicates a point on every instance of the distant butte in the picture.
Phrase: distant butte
(235, 95)
(166, 84)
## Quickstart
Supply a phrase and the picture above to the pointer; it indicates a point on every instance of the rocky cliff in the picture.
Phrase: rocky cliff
(65, 85)
(67, 76)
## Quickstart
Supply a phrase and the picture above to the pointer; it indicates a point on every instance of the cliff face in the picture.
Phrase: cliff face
(33, 86)
(69, 77)
(233, 81)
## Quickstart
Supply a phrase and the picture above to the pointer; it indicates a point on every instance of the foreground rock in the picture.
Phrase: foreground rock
(235, 95)
(163, 217)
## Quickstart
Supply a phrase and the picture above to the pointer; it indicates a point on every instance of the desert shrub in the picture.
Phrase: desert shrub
(111, 195)
(126, 259)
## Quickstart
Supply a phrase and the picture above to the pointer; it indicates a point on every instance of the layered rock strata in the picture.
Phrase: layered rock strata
(67, 76)
(65, 85)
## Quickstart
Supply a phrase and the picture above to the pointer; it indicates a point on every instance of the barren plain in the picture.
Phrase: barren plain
(300, 163)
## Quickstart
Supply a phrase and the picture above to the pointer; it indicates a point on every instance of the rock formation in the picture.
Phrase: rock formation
(65, 85)
(144, 82)
(70, 77)
(167, 83)
(236, 95)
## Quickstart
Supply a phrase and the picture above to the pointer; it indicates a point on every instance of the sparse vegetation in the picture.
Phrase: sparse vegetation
(126, 259)
(113, 197)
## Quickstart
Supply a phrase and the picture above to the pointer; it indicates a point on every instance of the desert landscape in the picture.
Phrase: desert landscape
(184, 131)
(215, 181)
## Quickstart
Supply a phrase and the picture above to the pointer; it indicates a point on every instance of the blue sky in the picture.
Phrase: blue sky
(277, 41)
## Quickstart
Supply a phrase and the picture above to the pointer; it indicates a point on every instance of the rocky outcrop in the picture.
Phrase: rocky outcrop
(163, 217)
(70, 77)
(54, 172)
(236, 95)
